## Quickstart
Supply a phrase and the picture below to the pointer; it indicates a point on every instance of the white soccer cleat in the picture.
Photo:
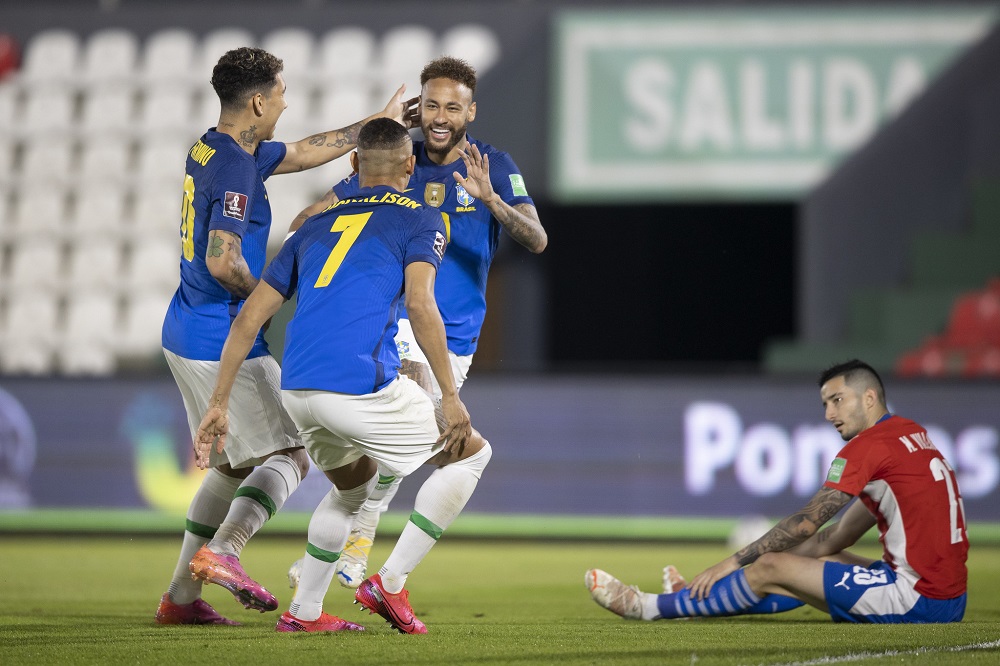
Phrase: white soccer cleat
(294, 574)
(353, 563)
(673, 581)
(616, 596)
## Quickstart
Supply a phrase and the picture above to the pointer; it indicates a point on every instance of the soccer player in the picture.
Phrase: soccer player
(479, 191)
(351, 266)
(903, 485)
(224, 228)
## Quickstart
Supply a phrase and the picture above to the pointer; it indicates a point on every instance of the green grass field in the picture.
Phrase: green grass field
(90, 600)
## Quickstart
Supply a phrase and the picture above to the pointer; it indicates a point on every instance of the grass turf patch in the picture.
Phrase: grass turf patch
(91, 600)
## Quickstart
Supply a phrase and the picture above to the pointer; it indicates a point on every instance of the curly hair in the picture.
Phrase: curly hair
(244, 72)
(447, 67)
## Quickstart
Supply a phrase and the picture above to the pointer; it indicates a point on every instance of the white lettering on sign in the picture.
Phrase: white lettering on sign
(767, 459)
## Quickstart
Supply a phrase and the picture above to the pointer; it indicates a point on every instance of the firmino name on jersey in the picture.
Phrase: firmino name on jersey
(385, 197)
(917, 441)
(201, 153)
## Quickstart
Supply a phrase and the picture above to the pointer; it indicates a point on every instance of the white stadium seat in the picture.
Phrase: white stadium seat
(46, 161)
(346, 54)
(98, 212)
(47, 111)
(51, 57)
(108, 111)
(35, 264)
(104, 161)
(153, 264)
(475, 43)
(142, 323)
(404, 51)
(170, 56)
(39, 212)
(90, 334)
(110, 56)
(94, 264)
(214, 45)
(30, 332)
(297, 49)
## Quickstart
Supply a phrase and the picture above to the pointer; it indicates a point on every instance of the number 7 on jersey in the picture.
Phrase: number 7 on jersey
(350, 227)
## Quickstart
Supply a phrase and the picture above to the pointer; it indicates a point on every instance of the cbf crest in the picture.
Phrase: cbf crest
(463, 197)
(434, 194)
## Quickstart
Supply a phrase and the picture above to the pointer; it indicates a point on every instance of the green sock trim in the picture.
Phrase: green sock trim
(385, 480)
(197, 529)
(432, 530)
(322, 555)
(259, 496)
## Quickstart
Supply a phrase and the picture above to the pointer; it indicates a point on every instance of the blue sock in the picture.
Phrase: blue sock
(774, 603)
(729, 596)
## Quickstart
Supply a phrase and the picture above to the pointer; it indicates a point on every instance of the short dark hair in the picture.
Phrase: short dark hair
(855, 373)
(382, 134)
(447, 67)
(244, 72)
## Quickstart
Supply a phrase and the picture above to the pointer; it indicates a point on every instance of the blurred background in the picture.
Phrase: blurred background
(737, 195)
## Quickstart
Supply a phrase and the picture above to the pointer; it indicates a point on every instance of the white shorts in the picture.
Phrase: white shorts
(258, 423)
(395, 427)
(406, 345)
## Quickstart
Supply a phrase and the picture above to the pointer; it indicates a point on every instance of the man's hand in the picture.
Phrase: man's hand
(702, 584)
(213, 430)
(403, 111)
(477, 183)
(459, 428)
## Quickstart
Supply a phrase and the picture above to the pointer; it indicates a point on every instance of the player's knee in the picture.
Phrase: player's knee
(476, 462)
(301, 460)
(767, 564)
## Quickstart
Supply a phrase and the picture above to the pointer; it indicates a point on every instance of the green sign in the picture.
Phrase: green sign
(662, 105)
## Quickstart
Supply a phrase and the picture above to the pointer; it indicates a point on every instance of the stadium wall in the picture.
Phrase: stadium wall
(608, 445)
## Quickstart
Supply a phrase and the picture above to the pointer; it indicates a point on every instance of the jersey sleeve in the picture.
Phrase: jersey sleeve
(283, 271)
(855, 465)
(269, 155)
(428, 241)
(348, 187)
(233, 190)
(507, 180)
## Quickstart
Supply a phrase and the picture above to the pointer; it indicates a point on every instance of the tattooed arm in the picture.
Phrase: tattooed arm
(321, 148)
(843, 534)
(787, 534)
(520, 222)
(798, 527)
(224, 258)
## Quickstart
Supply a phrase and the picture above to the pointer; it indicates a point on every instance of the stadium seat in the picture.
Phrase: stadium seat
(161, 161)
(104, 162)
(110, 56)
(94, 264)
(152, 264)
(98, 212)
(10, 100)
(8, 151)
(169, 106)
(404, 50)
(169, 58)
(35, 263)
(142, 323)
(297, 121)
(297, 48)
(156, 212)
(39, 212)
(46, 161)
(108, 111)
(90, 335)
(47, 111)
(475, 43)
(982, 362)
(30, 332)
(51, 57)
(341, 104)
(346, 55)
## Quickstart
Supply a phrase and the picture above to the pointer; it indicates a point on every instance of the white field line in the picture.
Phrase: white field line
(858, 656)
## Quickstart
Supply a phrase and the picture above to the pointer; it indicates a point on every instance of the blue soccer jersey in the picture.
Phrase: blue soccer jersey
(473, 235)
(224, 190)
(347, 267)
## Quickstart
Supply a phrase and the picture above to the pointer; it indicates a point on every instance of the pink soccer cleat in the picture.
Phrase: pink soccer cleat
(196, 612)
(225, 570)
(395, 608)
(288, 622)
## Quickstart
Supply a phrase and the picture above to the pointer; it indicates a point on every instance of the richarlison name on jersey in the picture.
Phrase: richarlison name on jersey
(385, 197)
(201, 153)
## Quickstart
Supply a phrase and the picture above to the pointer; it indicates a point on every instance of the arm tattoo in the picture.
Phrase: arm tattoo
(249, 136)
(215, 245)
(240, 282)
(798, 527)
(418, 372)
(517, 221)
(347, 136)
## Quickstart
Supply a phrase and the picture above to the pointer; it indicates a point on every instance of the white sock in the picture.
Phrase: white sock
(328, 529)
(650, 611)
(258, 498)
(208, 509)
(439, 501)
(367, 521)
